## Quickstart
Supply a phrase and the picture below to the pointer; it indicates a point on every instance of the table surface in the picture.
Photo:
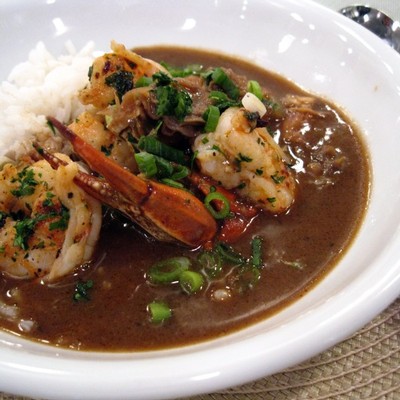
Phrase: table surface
(365, 366)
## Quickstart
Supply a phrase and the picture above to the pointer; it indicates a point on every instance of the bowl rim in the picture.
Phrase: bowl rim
(60, 367)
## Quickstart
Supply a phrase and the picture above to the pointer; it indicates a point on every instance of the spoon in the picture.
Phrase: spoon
(375, 21)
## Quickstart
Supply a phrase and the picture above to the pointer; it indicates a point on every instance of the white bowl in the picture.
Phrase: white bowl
(311, 45)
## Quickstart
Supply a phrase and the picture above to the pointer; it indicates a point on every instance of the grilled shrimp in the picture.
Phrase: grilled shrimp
(48, 224)
(111, 77)
(114, 74)
(247, 159)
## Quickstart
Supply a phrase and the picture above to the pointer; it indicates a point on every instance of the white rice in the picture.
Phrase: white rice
(43, 85)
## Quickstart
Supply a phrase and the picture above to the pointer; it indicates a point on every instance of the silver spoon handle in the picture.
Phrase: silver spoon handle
(377, 22)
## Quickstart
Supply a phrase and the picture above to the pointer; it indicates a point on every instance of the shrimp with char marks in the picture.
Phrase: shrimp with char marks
(48, 224)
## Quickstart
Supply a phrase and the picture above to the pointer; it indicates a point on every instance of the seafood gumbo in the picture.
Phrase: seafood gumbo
(195, 194)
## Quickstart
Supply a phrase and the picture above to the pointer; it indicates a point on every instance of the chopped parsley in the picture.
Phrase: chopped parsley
(173, 102)
(48, 202)
(222, 101)
(162, 79)
(27, 183)
(62, 223)
(23, 231)
(24, 228)
(82, 289)
(277, 178)
(121, 81)
(243, 158)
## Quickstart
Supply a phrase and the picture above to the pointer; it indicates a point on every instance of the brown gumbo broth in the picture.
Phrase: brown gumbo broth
(299, 247)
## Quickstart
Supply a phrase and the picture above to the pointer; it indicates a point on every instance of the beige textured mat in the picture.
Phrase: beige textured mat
(366, 366)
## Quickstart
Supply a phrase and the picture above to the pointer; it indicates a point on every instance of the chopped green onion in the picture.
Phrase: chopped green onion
(222, 79)
(154, 146)
(211, 116)
(255, 88)
(146, 163)
(211, 263)
(159, 311)
(256, 250)
(164, 167)
(172, 183)
(169, 270)
(191, 281)
(224, 211)
(143, 81)
(222, 101)
(180, 172)
(152, 165)
(229, 254)
(191, 69)
(247, 277)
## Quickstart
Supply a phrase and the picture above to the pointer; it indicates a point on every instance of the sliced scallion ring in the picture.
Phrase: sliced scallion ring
(180, 172)
(159, 311)
(191, 281)
(225, 209)
(169, 270)
(172, 183)
(211, 263)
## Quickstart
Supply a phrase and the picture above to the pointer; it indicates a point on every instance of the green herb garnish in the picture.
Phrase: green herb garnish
(62, 223)
(82, 288)
(173, 102)
(121, 81)
(277, 178)
(27, 183)
(220, 77)
(159, 312)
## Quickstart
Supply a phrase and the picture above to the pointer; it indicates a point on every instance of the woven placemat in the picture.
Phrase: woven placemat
(365, 366)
